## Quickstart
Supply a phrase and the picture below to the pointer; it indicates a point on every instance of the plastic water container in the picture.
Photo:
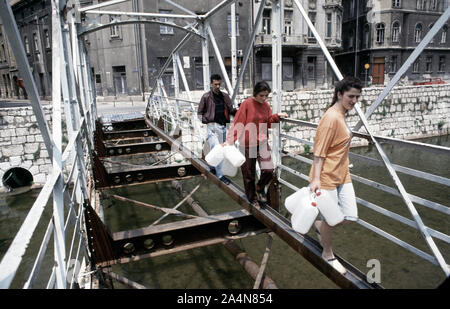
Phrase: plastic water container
(305, 214)
(215, 156)
(233, 155)
(329, 209)
(228, 169)
(293, 200)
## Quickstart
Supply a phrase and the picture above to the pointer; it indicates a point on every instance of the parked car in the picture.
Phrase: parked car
(430, 81)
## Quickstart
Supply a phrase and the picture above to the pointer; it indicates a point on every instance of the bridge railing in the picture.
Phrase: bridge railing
(67, 187)
(407, 198)
(444, 210)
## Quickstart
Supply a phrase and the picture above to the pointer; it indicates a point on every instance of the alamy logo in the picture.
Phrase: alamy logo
(374, 274)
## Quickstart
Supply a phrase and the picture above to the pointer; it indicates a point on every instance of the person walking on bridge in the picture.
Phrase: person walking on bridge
(330, 169)
(214, 110)
(250, 128)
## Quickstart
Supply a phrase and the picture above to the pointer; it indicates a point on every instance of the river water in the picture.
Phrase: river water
(214, 267)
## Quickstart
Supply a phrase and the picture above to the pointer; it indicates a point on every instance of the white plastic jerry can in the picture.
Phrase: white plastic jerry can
(293, 200)
(329, 209)
(228, 169)
(215, 156)
(305, 214)
(233, 155)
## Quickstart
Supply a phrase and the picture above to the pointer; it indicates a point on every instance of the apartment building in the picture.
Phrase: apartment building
(381, 35)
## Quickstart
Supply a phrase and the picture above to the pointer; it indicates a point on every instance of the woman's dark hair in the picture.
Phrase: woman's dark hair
(261, 86)
(345, 85)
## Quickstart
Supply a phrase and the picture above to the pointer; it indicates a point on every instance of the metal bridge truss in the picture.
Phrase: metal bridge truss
(76, 222)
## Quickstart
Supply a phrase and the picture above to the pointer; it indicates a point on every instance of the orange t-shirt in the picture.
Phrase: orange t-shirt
(332, 142)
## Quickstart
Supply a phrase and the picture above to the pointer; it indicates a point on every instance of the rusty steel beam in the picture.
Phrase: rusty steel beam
(157, 173)
(126, 125)
(135, 148)
(156, 240)
(251, 267)
(114, 135)
(308, 247)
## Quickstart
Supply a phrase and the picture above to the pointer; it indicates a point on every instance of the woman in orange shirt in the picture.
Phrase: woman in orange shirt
(330, 172)
(250, 127)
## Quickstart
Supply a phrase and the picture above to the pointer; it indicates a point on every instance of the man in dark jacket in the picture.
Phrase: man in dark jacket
(214, 110)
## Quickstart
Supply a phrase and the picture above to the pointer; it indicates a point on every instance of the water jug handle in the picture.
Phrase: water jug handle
(313, 197)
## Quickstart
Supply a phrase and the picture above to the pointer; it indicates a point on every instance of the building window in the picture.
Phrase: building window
(394, 64)
(441, 63)
(288, 22)
(266, 69)
(229, 24)
(421, 4)
(312, 17)
(352, 8)
(115, 29)
(288, 68)
(165, 29)
(35, 43)
(311, 67)
(395, 31)
(366, 37)
(433, 5)
(429, 64)
(380, 33)
(329, 23)
(266, 21)
(120, 79)
(48, 43)
(338, 26)
(27, 44)
(429, 28)
(444, 35)
(418, 33)
(351, 39)
(396, 3)
(416, 66)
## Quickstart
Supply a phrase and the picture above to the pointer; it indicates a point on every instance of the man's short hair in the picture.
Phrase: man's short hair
(215, 77)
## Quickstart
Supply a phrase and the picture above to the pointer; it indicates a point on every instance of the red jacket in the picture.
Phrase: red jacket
(251, 123)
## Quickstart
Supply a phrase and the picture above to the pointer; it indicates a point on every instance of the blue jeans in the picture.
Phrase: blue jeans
(216, 135)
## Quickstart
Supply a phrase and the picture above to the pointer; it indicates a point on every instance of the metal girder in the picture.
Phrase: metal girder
(156, 240)
(134, 148)
(103, 178)
(309, 248)
(126, 125)
(114, 135)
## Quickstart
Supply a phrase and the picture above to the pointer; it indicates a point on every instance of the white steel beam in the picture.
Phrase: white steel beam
(182, 8)
(58, 198)
(141, 14)
(100, 5)
(277, 79)
(248, 50)
(220, 60)
(233, 45)
(205, 57)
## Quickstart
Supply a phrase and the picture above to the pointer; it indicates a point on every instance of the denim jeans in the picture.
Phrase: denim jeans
(216, 135)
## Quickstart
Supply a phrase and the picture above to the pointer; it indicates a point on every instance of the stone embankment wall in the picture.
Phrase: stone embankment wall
(408, 112)
(22, 144)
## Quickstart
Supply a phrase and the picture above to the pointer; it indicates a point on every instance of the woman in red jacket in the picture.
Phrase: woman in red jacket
(250, 127)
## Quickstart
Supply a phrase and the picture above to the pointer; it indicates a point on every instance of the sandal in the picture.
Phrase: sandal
(337, 265)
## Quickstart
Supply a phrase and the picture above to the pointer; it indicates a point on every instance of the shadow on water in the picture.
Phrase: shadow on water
(215, 267)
